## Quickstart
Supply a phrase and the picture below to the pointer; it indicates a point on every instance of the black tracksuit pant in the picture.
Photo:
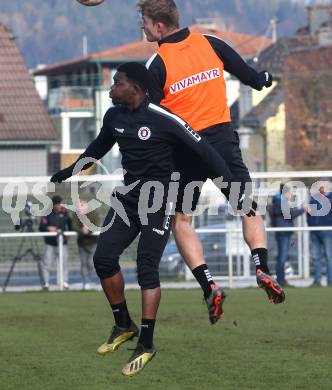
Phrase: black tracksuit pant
(153, 239)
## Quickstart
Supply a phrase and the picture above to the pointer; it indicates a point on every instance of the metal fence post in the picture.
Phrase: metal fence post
(306, 255)
(230, 258)
(60, 260)
(238, 250)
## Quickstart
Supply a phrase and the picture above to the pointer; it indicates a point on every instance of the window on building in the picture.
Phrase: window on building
(82, 132)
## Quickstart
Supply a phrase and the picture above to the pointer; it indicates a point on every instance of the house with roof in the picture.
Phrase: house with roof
(308, 97)
(275, 131)
(77, 90)
(262, 114)
(26, 131)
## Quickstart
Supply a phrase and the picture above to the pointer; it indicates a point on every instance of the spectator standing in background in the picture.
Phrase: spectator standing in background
(86, 242)
(57, 220)
(321, 241)
(279, 218)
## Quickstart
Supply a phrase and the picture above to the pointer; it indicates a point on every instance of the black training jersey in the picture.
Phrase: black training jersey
(146, 137)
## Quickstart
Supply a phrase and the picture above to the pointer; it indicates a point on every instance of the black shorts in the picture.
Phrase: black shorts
(152, 241)
(226, 142)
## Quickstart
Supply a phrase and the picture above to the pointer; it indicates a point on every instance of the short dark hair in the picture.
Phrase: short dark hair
(56, 199)
(164, 11)
(136, 73)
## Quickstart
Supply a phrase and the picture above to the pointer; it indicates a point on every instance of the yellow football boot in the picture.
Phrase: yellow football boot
(138, 360)
(118, 336)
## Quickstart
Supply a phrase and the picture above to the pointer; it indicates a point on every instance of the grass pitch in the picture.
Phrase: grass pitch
(49, 341)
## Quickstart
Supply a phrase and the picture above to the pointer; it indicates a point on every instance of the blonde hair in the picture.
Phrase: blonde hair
(163, 11)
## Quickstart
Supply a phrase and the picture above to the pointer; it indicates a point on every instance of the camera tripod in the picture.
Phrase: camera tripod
(32, 250)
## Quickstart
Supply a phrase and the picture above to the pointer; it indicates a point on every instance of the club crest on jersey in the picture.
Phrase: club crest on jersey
(144, 133)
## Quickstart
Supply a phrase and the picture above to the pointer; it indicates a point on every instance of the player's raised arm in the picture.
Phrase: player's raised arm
(235, 65)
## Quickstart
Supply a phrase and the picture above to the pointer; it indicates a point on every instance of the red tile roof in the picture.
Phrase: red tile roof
(138, 49)
(246, 45)
(310, 60)
(23, 116)
(273, 57)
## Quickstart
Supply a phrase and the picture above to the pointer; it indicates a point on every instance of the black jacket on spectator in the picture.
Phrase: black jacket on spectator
(276, 212)
(61, 221)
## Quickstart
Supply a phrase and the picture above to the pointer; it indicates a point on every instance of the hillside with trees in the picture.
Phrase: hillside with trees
(48, 31)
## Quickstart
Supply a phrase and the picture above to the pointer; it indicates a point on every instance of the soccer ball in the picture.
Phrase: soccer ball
(90, 2)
